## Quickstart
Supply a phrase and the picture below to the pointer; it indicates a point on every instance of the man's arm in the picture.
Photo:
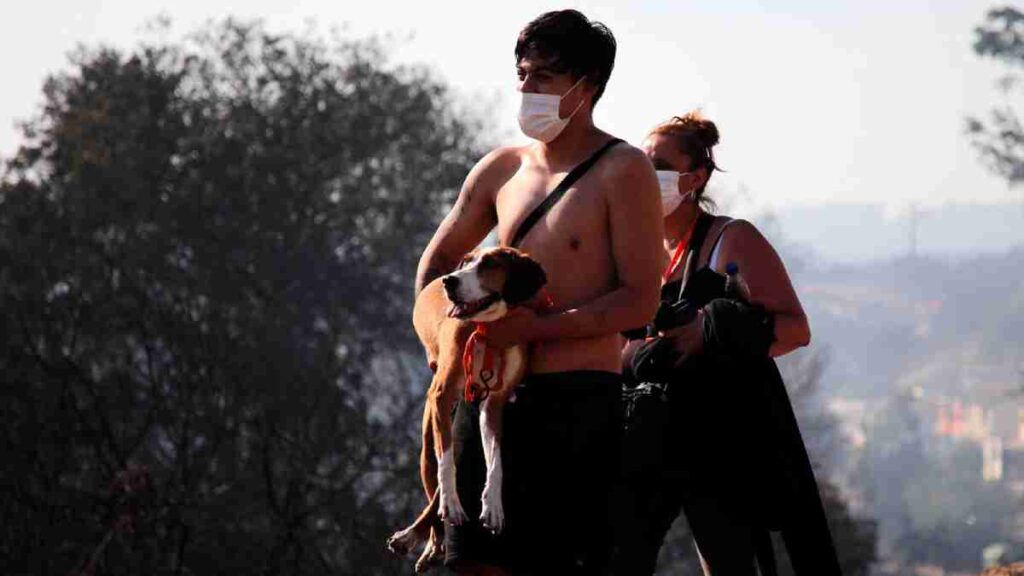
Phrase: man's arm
(636, 229)
(469, 220)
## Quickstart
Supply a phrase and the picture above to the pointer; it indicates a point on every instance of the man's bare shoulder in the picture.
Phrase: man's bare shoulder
(627, 166)
(625, 160)
(497, 166)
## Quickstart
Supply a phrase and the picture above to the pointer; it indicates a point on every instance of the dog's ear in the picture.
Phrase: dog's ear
(469, 257)
(523, 280)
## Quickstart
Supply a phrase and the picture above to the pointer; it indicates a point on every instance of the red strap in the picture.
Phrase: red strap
(678, 254)
(479, 389)
(491, 369)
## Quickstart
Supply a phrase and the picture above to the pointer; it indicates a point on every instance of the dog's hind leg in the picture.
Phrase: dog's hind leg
(428, 462)
(405, 541)
(433, 554)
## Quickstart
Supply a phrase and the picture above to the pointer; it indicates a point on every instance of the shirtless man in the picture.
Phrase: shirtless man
(600, 248)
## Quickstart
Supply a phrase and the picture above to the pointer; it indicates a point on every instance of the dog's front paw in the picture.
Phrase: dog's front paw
(451, 509)
(405, 541)
(492, 514)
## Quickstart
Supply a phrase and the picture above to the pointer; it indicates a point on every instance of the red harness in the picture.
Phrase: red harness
(479, 389)
(491, 372)
(677, 256)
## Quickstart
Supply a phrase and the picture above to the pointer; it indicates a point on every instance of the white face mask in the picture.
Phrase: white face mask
(668, 181)
(538, 114)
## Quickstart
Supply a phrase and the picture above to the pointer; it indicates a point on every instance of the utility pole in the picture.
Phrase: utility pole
(913, 230)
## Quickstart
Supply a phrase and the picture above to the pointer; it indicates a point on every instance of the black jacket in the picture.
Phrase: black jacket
(729, 428)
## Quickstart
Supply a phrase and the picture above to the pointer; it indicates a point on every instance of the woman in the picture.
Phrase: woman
(710, 429)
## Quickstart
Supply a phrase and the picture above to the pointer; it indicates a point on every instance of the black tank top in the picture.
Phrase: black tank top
(704, 284)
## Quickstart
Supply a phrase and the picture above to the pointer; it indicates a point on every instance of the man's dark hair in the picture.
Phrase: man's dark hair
(570, 43)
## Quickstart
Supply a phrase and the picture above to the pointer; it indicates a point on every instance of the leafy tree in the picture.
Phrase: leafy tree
(206, 254)
(954, 514)
(855, 537)
(1000, 141)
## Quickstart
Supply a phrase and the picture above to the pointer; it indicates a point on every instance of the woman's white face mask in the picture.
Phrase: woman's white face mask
(671, 196)
(538, 114)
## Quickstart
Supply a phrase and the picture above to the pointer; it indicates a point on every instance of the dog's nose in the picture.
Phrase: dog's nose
(450, 282)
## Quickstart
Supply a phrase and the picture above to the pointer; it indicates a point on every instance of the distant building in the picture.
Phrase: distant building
(992, 459)
(1013, 470)
(1020, 427)
(966, 421)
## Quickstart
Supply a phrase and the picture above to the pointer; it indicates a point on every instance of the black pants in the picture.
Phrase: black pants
(560, 449)
(723, 533)
(675, 459)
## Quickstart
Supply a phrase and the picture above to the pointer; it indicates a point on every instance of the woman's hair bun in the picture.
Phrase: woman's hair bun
(704, 129)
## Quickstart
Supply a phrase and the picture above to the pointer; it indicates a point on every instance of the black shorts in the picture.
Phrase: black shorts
(560, 452)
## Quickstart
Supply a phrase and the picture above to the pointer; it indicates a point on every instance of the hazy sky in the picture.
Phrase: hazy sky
(826, 101)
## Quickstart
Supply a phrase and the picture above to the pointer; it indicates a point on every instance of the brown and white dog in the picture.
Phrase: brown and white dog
(487, 284)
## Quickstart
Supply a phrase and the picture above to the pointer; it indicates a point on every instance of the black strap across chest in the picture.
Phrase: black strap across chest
(559, 191)
(706, 281)
(700, 232)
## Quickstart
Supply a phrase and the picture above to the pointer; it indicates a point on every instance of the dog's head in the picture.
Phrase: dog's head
(491, 281)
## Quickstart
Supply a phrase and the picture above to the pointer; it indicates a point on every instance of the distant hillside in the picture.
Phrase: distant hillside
(955, 326)
(859, 233)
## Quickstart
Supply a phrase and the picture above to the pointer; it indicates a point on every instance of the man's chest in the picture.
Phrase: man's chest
(579, 215)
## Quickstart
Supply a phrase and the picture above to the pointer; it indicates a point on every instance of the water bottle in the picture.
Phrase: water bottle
(735, 286)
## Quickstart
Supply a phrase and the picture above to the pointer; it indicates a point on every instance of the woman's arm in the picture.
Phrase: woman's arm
(769, 284)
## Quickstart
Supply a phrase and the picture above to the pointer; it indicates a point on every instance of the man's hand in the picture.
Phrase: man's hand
(517, 327)
(687, 340)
